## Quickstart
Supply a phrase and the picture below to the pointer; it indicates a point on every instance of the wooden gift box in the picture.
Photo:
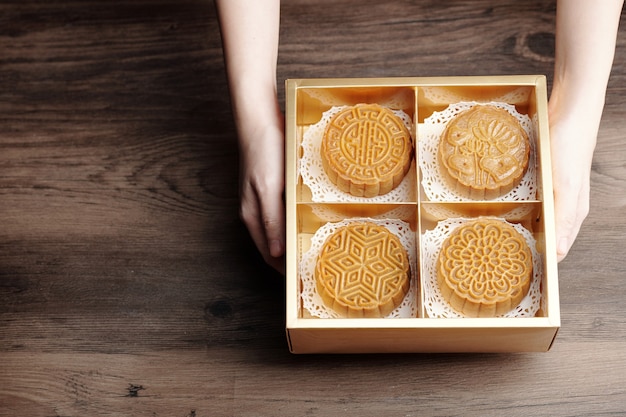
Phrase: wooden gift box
(419, 97)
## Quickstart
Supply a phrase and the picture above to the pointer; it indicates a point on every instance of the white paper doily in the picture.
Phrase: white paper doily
(313, 302)
(439, 95)
(447, 211)
(333, 213)
(434, 303)
(322, 189)
(436, 187)
(395, 99)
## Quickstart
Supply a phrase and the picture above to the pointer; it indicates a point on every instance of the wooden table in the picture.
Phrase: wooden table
(128, 285)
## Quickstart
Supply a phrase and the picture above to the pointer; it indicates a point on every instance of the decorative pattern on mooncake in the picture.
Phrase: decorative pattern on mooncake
(363, 270)
(484, 268)
(366, 150)
(484, 152)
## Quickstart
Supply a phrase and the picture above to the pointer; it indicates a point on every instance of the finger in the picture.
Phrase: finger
(250, 213)
(571, 210)
(273, 217)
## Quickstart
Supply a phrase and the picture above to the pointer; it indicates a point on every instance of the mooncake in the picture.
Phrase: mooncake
(484, 268)
(366, 150)
(483, 152)
(362, 270)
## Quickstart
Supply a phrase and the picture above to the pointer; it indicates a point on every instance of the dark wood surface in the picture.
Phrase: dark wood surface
(128, 286)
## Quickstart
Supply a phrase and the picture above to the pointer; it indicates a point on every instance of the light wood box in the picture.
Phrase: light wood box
(419, 97)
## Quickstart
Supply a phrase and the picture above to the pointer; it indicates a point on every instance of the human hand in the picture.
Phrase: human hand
(585, 45)
(261, 185)
(250, 36)
(572, 144)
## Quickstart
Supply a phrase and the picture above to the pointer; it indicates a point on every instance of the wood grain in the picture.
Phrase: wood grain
(128, 286)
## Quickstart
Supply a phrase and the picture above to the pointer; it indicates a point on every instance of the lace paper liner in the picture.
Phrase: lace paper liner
(396, 100)
(434, 303)
(314, 176)
(440, 95)
(329, 214)
(435, 185)
(444, 212)
(311, 299)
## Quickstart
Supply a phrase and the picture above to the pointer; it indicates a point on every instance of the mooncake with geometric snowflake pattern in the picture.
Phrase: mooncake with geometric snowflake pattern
(363, 270)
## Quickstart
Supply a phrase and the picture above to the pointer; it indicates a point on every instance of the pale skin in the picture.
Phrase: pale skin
(585, 45)
(250, 37)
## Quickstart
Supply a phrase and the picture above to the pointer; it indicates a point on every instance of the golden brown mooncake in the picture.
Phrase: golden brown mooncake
(484, 268)
(362, 270)
(483, 152)
(366, 150)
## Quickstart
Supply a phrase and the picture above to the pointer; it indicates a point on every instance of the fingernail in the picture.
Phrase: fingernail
(276, 248)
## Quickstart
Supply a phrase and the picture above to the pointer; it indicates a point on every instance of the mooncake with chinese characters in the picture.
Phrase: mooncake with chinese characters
(366, 150)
